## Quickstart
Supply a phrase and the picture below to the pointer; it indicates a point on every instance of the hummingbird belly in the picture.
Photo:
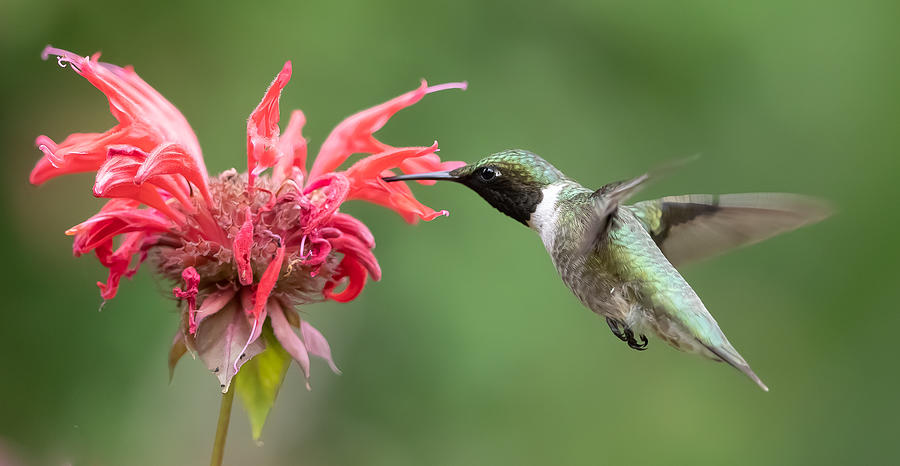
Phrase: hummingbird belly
(627, 278)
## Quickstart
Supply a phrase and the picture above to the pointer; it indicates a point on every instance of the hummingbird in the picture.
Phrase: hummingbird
(621, 261)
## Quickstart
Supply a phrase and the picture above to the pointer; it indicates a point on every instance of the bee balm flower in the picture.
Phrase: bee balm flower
(243, 248)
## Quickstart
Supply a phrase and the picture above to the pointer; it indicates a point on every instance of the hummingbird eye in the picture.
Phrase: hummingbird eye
(488, 173)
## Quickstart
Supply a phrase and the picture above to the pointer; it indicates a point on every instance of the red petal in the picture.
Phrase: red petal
(172, 159)
(191, 281)
(326, 193)
(372, 166)
(267, 282)
(351, 225)
(262, 128)
(146, 119)
(106, 224)
(243, 241)
(397, 197)
(115, 179)
(118, 261)
(263, 290)
(356, 275)
(366, 183)
(293, 147)
(355, 134)
(353, 246)
(428, 163)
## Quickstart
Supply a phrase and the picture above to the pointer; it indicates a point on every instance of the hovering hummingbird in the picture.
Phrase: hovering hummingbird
(620, 260)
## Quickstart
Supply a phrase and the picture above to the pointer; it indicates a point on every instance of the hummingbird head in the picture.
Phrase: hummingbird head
(512, 181)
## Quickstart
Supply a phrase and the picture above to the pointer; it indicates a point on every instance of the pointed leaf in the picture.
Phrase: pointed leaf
(259, 381)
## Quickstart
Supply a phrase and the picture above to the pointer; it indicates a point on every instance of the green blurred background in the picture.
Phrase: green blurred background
(470, 350)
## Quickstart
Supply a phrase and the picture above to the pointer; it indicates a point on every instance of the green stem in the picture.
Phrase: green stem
(218, 452)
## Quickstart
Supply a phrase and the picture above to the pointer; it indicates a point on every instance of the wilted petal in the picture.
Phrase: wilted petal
(263, 150)
(355, 134)
(220, 343)
(317, 344)
(214, 303)
(288, 339)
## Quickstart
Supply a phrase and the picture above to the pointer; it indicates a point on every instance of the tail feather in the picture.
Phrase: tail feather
(736, 361)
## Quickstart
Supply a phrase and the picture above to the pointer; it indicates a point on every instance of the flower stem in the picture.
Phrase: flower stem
(218, 452)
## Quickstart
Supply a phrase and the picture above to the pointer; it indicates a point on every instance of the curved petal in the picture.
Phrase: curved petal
(395, 196)
(103, 226)
(327, 193)
(115, 178)
(288, 339)
(355, 134)
(118, 262)
(293, 147)
(263, 150)
(145, 120)
(356, 281)
(172, 159)
(317, 344)
(350, 225)
(428, 163)
(352, 246)
(373, 165)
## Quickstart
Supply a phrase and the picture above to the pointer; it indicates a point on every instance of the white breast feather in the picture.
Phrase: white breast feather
(544, 218)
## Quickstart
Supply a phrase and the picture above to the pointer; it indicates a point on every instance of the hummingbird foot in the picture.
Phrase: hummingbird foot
(622, 332)
(633, 344)
(616, 328)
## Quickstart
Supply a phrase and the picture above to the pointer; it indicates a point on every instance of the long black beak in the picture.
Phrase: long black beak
(422, 176)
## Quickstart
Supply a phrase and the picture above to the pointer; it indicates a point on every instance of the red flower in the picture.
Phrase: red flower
(242, 246)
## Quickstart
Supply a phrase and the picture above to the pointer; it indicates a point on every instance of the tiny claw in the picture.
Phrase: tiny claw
(633, 344)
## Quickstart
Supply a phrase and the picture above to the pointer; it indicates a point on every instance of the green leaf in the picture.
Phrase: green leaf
(260, 378)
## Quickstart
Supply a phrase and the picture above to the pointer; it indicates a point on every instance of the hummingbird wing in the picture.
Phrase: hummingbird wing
(606, 200)
(697, 226)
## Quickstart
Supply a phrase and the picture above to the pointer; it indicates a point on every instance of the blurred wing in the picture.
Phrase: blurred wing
(697, 226)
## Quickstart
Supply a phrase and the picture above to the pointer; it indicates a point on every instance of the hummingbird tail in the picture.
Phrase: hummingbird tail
(736, 361)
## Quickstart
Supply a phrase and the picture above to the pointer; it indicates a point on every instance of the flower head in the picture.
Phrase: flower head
(243, 248)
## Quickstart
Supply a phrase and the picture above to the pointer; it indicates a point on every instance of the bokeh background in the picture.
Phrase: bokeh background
(470, 350)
